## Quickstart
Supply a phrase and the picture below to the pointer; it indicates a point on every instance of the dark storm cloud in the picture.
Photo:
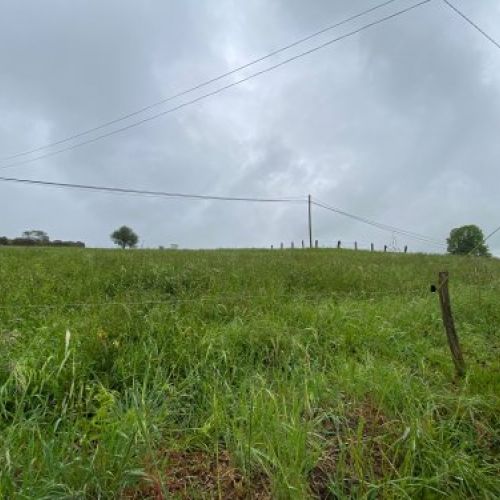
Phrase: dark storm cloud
(398, 124)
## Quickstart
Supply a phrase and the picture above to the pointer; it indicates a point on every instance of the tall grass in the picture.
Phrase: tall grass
(317, 372)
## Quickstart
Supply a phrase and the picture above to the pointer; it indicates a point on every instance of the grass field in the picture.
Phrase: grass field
(235, 374)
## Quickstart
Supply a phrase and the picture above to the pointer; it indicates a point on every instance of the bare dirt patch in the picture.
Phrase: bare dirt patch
(197, 474)
(358, 432)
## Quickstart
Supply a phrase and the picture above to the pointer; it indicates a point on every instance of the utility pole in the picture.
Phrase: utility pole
(310, 221)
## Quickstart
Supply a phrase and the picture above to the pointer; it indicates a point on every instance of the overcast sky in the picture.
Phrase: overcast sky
(400, 124)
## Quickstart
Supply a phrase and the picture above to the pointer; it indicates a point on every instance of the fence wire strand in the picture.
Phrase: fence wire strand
(294, 297)
(422, 288)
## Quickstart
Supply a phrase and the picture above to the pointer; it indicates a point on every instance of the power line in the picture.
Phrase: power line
(163, 194)
(385, 227)
(492, 234)
(484, 241)
(220, 89)
(251, 199)
(379, 225)
(472, 23)
(200, 85)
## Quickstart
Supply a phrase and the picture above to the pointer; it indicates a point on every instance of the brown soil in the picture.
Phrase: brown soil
(345, 435)
(197, 474)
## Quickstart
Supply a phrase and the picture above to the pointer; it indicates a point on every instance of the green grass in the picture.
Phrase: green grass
(297, 373)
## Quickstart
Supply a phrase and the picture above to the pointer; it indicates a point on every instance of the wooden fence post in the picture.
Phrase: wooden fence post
(339, 244)
(316, 244)
(406, 248)
(385, 248)
(303, 245)
(355, 245)
(372, 247)
(449, 324)
(292, 246)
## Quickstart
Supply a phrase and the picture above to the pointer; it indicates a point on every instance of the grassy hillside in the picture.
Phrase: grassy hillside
(233, 374)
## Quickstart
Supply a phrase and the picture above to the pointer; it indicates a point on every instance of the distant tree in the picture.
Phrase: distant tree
(36, 235)
(466, 240)
(124, 237)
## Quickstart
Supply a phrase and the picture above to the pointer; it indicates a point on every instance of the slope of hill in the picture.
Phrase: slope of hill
(269, 374)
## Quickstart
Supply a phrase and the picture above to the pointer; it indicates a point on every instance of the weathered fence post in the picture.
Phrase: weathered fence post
(339, 244)
(406, 248)
(316, 244)
(355, 245)
(303, 245)
(449, 324)
(372, 247)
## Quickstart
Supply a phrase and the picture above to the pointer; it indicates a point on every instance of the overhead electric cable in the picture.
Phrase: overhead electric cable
(163, 194)
(472, 23)
(221, 89)
(481, 243)
(379, 225)
(168, 194)
(384, 227)
(200, 85)
(492, 234)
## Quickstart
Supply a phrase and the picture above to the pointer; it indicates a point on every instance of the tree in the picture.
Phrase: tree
(36, 235)
(124, 237)
(467, 240)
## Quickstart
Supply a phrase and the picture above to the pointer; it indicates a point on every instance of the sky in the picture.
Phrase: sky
(399, 123)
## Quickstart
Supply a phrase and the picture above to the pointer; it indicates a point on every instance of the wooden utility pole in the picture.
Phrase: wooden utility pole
(310, 220)
(449, 324)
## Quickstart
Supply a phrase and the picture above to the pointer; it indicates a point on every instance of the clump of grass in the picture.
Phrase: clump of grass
(288, 374)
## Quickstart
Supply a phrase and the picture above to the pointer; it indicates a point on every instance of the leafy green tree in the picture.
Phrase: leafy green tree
(36, 235)
(467, 240)
(124, 237)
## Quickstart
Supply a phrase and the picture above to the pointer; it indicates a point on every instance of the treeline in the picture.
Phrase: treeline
(26, 242)
(38, 238)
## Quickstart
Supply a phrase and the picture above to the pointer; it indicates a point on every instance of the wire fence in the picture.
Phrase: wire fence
(418, 290)
(342, 244)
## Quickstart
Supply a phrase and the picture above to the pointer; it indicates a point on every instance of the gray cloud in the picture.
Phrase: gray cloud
(399, 123)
